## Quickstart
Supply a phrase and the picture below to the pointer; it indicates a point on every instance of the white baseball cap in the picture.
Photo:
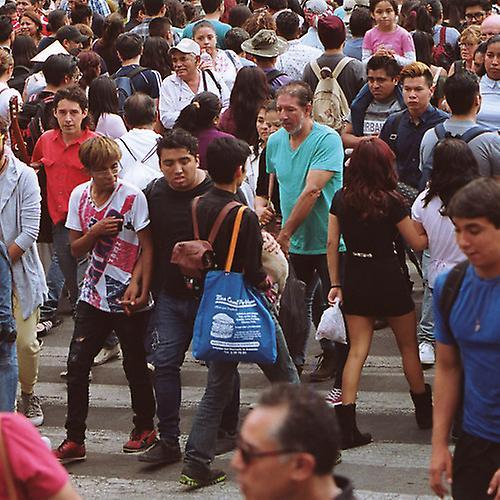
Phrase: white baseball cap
(187, 46)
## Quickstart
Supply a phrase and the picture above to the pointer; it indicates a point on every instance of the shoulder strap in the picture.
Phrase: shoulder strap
(130, 74)
(4, 89)
(127, 148)
(212, 76)
(393, 137)
(273, 74)
(7, 472)
(220, 218)
(440, 131)
(450, 291)
(472, 133)
(231, 58)
(442, 35)
(316, 69)
(340, 66)
(234, 239)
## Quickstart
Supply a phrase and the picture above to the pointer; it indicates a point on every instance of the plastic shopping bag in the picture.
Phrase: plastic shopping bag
(331, 325)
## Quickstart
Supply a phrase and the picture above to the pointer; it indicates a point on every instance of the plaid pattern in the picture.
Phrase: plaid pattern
(99, 6)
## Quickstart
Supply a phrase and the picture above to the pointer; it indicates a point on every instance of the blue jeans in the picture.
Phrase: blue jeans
(171, 330)
(425, 328)
(8, 376)
(55, 285)
(221, 382)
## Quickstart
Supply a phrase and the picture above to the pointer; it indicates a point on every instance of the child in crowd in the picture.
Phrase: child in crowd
(387, 38)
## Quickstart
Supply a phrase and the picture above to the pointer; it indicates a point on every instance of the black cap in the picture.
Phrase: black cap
(70, 33)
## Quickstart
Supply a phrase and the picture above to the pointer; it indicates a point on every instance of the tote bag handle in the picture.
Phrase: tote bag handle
(234, 239)
(9, 480)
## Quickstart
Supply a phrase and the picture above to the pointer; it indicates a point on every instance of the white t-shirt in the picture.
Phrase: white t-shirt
(443, 249)
(113, 258)
(6, 93)
(110, 125)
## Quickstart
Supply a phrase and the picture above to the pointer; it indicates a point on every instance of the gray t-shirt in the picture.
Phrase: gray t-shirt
(376, 114)
(485, 147)
(351, 78)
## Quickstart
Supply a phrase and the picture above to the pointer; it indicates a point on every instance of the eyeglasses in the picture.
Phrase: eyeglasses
(476, 16)
(248, 455)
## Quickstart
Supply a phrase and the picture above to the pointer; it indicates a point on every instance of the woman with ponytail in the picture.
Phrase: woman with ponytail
(200, 118)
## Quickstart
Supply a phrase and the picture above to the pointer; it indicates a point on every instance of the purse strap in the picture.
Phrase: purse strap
(218, 221)
(234, 239)
(9, 480)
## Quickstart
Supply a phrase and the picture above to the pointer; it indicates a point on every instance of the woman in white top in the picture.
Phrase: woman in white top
(224, 62)
(453, 167)
(489, 115)
(103, 107)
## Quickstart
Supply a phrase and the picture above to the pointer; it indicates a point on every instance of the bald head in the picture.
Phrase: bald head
(490, 27)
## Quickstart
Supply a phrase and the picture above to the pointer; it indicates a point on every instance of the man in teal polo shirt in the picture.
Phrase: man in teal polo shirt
(307, 159)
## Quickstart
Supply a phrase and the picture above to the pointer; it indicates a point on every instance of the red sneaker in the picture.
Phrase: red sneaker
(69, 451)
(140, 441)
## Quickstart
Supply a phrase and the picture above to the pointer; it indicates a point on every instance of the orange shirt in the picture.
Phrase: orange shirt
(63, 169)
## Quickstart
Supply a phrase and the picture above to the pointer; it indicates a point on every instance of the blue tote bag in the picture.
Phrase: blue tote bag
(233, 323)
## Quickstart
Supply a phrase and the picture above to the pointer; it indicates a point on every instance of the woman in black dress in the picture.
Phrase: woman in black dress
(369, 213)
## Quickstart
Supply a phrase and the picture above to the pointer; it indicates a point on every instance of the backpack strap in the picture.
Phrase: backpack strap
(212, 76)
(442, 35)
(231, 58)
(393, 137)
(234, 239)
(316, 69)
(273, 74)
(440, 131)
(473, 132)
(127, 148)
(340, 66)
(450, 291)
(218, 221)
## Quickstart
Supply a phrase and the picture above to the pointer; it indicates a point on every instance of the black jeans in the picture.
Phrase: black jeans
(92, 326)
(474, 463)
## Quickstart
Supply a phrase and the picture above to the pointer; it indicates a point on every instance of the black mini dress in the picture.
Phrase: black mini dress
(374, 283)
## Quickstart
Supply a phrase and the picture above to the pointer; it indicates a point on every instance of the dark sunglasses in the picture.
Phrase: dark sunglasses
(248, 455)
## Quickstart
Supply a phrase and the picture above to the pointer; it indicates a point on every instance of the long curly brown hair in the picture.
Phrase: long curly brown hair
(371, 179)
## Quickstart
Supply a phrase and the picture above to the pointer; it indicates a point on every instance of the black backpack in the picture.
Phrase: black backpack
(124, 86)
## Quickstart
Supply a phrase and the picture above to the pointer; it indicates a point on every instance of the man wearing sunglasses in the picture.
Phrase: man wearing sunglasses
(288, 446)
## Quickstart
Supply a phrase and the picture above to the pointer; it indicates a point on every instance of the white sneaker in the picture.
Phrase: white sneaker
(426, 353)
(106, 355)
(32, 409)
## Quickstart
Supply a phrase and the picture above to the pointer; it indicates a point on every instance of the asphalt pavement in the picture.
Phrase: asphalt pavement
(394, 466)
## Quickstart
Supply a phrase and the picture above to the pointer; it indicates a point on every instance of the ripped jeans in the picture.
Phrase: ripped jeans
(92, 326)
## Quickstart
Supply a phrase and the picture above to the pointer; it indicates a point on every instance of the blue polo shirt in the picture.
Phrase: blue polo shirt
(475, 329)
(409, 137)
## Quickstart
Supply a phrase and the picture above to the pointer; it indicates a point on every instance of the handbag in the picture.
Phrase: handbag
(233, 323)
(7, 472)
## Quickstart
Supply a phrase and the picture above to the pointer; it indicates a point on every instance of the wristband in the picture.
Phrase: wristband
(336, 286)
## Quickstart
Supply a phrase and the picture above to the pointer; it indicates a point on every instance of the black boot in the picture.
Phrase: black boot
(351, 437)
(325, 368)
(423, 407)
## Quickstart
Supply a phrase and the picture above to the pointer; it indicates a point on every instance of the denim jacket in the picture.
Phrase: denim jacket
(7, 323)
(19, 223)
(361, 103)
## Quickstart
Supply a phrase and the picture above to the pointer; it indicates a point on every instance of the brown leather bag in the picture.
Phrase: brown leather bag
(196, 257)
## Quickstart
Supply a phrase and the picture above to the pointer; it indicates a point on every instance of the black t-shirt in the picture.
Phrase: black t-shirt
(371, 235)
(248, 253)
(170, 216)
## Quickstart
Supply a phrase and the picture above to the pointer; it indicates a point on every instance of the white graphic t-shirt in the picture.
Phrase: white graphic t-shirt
(113, 258)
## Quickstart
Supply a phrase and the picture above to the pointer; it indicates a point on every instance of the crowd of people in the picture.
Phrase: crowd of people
(363, 140)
